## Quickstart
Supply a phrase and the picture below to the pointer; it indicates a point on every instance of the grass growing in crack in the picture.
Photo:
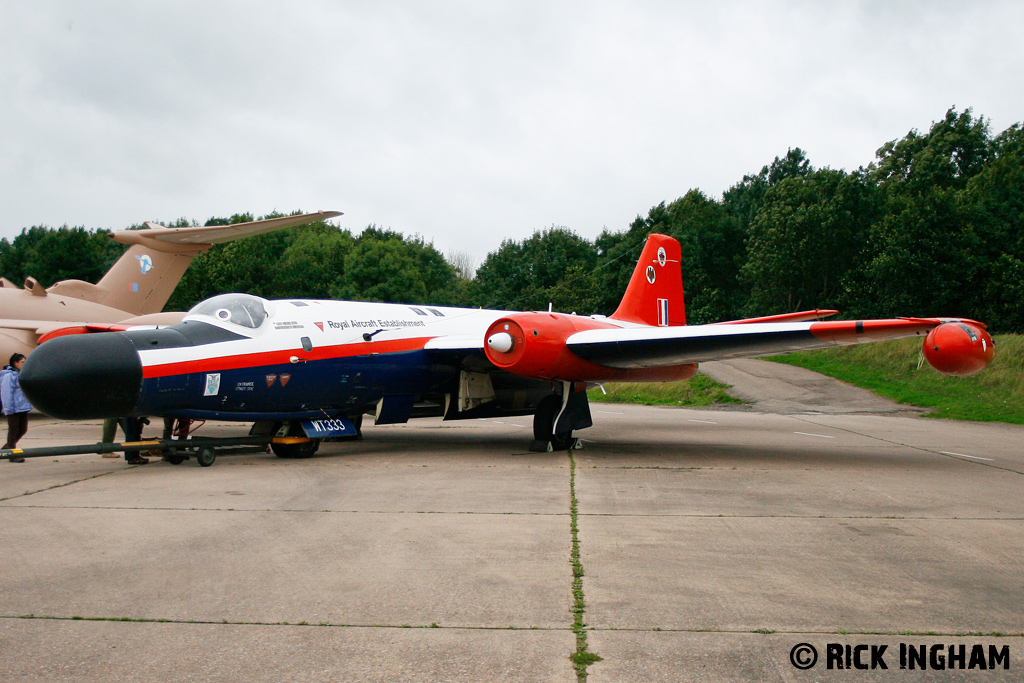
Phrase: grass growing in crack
(57, 486)
(581, 658)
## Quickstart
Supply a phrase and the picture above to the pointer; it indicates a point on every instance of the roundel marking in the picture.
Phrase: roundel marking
(650, 274)
(145, 263)
(661, 256)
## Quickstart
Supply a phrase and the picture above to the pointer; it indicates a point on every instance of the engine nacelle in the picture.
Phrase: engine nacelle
(958, 348)
(534, 345)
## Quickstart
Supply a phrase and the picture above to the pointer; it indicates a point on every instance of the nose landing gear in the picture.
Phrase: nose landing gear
(290, 441)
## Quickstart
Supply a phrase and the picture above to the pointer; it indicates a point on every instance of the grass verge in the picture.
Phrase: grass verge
(701, 390)
(897, 370)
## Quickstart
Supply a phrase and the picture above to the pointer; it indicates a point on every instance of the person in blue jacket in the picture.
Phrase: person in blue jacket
(15, 405)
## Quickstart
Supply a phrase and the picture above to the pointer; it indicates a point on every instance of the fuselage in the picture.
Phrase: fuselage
(306, 358)
(239, 357)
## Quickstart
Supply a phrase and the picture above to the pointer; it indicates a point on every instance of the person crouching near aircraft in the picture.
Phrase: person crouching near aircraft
(15, 405)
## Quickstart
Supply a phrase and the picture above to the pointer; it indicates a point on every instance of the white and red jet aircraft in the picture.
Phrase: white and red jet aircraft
(311, 369)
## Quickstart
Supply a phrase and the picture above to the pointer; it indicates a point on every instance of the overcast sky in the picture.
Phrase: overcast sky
(465, 122)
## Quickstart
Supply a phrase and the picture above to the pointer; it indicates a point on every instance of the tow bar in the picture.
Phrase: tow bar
(174, 451)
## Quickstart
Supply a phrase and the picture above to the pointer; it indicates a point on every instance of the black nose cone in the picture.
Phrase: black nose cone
(83, 376)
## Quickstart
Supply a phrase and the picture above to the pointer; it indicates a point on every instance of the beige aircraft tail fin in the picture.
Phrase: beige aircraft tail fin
(144, 277)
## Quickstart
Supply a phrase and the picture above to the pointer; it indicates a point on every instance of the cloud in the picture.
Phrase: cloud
(464, 122)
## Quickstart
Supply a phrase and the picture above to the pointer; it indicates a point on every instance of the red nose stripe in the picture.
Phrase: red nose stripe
(254, 360)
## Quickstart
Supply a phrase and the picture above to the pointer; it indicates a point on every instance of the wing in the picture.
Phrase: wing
(571, 348)
(31, 325)
(215, 234)
(628, 348)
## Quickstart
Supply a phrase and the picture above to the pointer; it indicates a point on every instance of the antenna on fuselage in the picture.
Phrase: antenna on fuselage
(368, 336)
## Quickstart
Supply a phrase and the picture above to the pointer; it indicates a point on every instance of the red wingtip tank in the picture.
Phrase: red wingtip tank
(959, 348)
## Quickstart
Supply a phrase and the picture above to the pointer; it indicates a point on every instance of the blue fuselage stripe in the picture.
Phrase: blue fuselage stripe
(293, 390)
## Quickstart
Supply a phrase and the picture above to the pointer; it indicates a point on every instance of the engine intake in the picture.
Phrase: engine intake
(533, 345)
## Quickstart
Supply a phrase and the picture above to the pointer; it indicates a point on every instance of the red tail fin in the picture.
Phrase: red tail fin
(655, 292)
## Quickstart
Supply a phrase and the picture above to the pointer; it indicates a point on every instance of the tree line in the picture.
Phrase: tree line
(934, 225)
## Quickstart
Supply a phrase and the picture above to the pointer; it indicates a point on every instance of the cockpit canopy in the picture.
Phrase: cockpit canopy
(245, 310)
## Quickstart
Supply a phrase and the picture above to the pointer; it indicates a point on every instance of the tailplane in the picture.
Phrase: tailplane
(655, 292)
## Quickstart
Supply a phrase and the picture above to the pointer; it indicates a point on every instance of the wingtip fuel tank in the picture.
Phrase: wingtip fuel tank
(959, 348)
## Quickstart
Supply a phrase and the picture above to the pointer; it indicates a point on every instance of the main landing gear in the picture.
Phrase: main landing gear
(557, 416)
(544, 437)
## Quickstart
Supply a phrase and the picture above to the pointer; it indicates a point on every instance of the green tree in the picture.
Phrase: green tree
(384, 265)
(50, 255)
(805, 239)
(522, 275)
(743, 200)
(313, 265)
(992, 204)
(924, 255)
(617, 253)
(381, 270)
(246, 265)
(579, 292)
(712, 252)
(14, 254)
(462, 292)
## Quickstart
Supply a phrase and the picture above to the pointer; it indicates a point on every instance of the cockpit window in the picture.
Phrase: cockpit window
(241, 309)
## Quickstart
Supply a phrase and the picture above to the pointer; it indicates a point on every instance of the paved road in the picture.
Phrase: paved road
(712, 541)
(779, 388)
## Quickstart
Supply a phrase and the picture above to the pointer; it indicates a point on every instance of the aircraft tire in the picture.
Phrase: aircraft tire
(543, 424)
(562, 442)
(304, 449)
(544, 417)
(307, 449)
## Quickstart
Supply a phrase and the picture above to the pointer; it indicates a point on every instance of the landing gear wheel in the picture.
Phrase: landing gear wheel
(544, 423)
(562, 442)
(206, 456)
(306, 449)
(544, 417)
(302, 449)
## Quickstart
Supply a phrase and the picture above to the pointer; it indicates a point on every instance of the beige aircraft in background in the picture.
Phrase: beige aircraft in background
(131, 293)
